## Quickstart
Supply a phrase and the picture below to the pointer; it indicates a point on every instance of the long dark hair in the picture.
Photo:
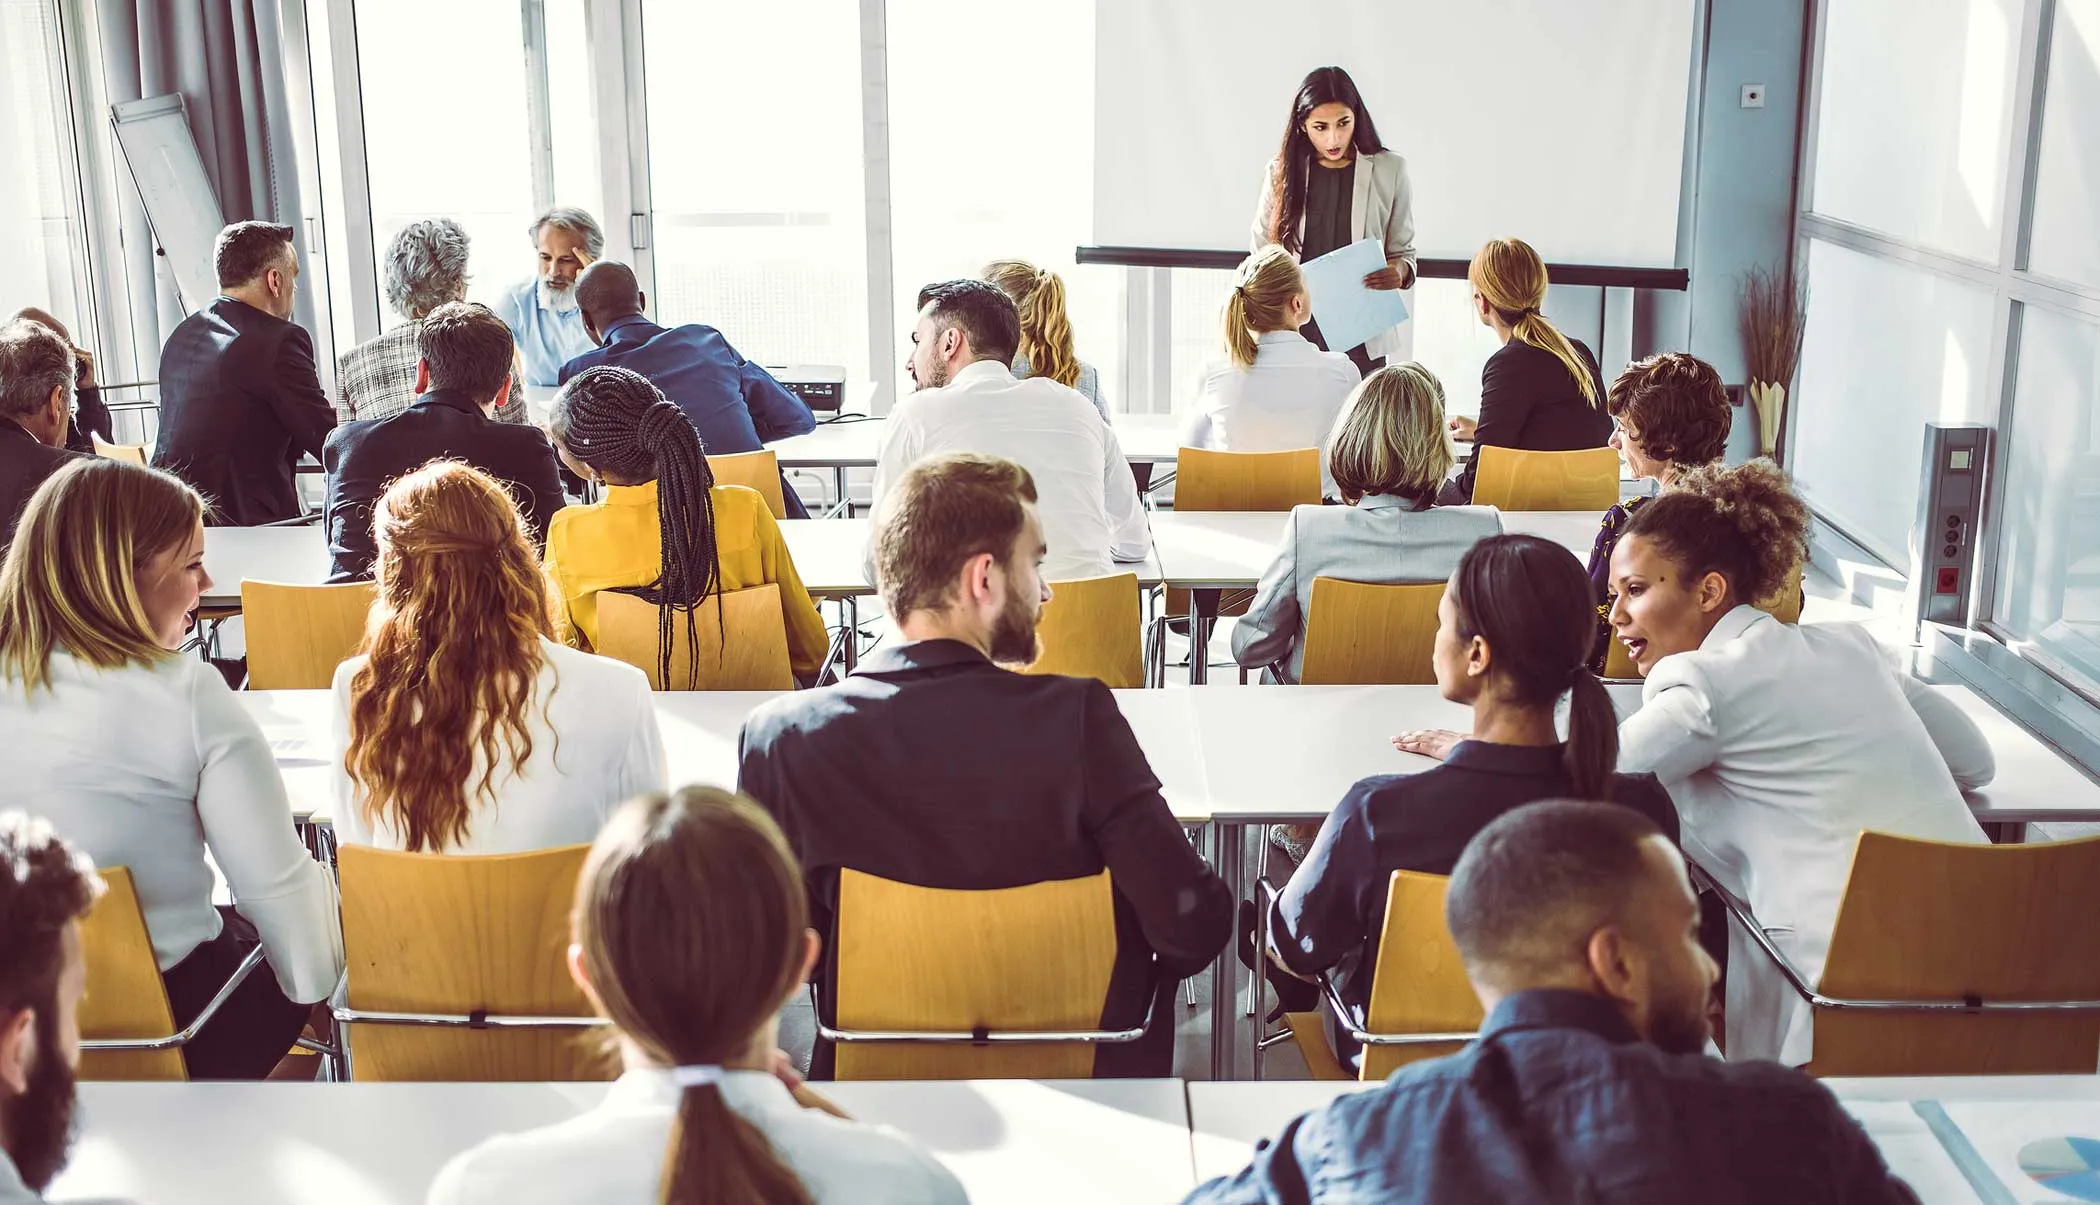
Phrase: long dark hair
(1530, 599)
(1287, 179)
(690, 913)
(618, 423)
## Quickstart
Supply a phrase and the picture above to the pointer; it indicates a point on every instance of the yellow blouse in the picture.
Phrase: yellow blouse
(617, 544)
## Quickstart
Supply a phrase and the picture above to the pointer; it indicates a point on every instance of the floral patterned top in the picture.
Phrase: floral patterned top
(1600, 574)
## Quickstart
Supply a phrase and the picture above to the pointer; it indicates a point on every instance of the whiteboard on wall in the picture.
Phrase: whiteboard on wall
(180, 205)
(1560, 122)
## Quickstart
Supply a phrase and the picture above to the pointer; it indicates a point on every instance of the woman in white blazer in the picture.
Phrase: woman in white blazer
(1779, 743)
(1333, 183)
(690, 934)
(462, 728)
(143, 758)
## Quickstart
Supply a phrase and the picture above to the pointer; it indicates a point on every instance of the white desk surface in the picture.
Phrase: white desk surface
(382, 1144)
(1229, 549)
(853, 443)
(1291, 752)
(1227, 1119)
(295, 556)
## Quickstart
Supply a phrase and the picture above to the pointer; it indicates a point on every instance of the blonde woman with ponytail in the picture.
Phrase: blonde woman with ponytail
(1276, 391)
(1047, 348)
(690, 931)
(1542, 392)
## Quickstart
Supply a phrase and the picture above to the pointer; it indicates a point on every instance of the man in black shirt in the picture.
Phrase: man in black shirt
(36, 373)
(936, 766)
(1587, 1083)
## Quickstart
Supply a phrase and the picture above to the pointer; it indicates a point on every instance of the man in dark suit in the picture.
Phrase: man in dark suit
(935, 765)
(736, 405)
(239, 397)
(462, 377)
(36, 377)
(91, 419)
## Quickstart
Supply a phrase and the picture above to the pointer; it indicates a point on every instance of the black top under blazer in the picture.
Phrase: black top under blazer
(239, 403)
(1529, 401)
(25, 462)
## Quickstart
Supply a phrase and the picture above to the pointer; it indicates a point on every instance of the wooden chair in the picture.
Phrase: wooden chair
(936, 984)
(758, 470)
(458, 968)
(744, 649)
(1512, 480)
(1206, 480)
(129, 453)
(1091, 628)
(297, 635)
(1957, 959)
(127, 1027)
(1356, 632)
(1422, 1006)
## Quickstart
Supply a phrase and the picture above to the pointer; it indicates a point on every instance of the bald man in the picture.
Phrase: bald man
(736, 405)
(89, 416)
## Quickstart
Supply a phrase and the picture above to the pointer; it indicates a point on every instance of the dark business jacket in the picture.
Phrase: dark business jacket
(25, 462)
(1529, 401)
(932, 766)
(363, 457)
(1560, 1101)
(239, 403)
(90, 419)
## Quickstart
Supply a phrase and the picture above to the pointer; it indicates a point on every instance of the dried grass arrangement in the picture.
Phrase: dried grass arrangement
(1772, 317)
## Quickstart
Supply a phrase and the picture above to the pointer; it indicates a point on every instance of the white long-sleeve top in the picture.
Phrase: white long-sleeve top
(149, 767)
(1087, 498)
(1288, 399)
(595, 744)
(1779, 744)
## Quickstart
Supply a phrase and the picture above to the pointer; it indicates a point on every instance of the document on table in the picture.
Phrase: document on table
(2022, 1143)
(294, 747)
(1348, 313)
(1908, 1145)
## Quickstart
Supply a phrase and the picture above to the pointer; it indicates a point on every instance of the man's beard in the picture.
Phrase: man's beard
(1014, 640)
(40, 1121)
(1684, 1030)
(935, 376)
(561, 301)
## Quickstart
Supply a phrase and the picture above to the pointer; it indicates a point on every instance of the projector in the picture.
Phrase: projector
(820, 386)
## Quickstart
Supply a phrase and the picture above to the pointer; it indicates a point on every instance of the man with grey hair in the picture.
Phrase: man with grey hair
(36, 393)
(426, 267)
(542, 312)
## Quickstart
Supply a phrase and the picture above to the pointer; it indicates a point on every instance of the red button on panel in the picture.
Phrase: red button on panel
(1949, 581)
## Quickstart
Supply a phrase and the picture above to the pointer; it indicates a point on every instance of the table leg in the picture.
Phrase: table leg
(1203, 612)
(1224, 989)
(838, 485)
(849, 610)
(2001, 832)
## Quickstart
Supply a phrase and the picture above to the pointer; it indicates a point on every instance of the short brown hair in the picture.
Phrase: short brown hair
(45, 884)
(1537, 881)
(33, 362)
(1745, 523)
(1677, 407)
(467, 347)
(245, 250)
(945, 511)
(1390, 436)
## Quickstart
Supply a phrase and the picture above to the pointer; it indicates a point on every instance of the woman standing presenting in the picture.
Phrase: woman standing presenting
(1333, 183)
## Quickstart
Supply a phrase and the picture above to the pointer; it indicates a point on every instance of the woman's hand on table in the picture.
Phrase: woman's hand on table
(1429, 742)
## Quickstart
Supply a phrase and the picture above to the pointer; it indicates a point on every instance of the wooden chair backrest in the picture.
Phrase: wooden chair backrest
(1356, 632)
(923, 959)
(744, 649)
(129, 453)
(435, 934)
(1933, 920)
(758, 470)
(1091, 629)
(1420, 985)
(1206, 480)
(1512, 480)
(297, 635)
(125, 997)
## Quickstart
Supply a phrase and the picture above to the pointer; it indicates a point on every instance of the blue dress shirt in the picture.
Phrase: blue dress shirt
(547, 339)
(736, 405)
(1560, 1101)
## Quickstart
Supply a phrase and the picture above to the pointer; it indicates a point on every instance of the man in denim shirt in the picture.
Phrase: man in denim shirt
(1580, 932)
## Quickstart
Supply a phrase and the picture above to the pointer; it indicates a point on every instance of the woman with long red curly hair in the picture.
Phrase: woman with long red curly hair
(461, 727)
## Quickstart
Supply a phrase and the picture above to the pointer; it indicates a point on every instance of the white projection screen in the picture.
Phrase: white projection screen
(1557, 121)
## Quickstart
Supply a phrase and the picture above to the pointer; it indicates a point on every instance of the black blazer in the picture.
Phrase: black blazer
(363, 457)
(239, 403)
(24, 464)
(933, 766)
(1528, 401)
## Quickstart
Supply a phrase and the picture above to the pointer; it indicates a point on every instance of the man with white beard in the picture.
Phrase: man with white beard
(542, 312)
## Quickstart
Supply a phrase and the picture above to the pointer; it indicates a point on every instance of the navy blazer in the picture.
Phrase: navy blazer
(24, 463)
(736, 405)
(239, 403)
(363, 457)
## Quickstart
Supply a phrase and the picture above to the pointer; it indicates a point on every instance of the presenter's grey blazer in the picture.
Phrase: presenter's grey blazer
(1382, 206)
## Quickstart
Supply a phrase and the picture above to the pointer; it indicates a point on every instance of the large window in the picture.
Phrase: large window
(2049, 588)
(40, 233)
(2067, 185)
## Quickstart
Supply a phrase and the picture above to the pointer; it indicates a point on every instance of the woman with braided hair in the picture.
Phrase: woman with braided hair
(665, 530)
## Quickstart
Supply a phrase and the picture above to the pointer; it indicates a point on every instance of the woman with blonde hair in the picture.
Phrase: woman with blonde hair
(1542, 392)
(144, 759)
(460, 727)
(1047, 348)
(1388, 456)
(1276, 390)
(690, 933)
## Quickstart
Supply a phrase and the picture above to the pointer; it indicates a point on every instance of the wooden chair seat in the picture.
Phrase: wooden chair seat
(1510, 479)
(1357, 632)
(126, 999)
(297, 635)
(129, 453)
(758, 470)
(1092, 628)
(745, 648)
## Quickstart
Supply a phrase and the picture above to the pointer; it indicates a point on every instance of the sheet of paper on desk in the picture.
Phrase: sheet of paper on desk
(293, 748)
(1911, 1150)
(1348, 312)
(2001, 1129)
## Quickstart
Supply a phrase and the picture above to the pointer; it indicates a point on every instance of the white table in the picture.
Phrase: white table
(382, 1144)
(293, 556)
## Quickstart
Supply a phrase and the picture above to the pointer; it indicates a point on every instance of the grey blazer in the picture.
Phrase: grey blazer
(1382, 539)
(1089, 381)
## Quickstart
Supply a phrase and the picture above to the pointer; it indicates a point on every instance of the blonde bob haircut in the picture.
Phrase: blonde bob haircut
(1390, 436)
(70, 580)
(1260, 301)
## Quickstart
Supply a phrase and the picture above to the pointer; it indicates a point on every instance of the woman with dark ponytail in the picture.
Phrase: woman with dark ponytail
(690, 932)
(1514, 634)
(665, 530)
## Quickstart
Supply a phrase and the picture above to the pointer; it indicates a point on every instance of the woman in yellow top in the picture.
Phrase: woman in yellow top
(665, 530)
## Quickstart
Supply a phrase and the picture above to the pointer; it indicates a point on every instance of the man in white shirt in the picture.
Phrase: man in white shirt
(45, 888)
(969, 401)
